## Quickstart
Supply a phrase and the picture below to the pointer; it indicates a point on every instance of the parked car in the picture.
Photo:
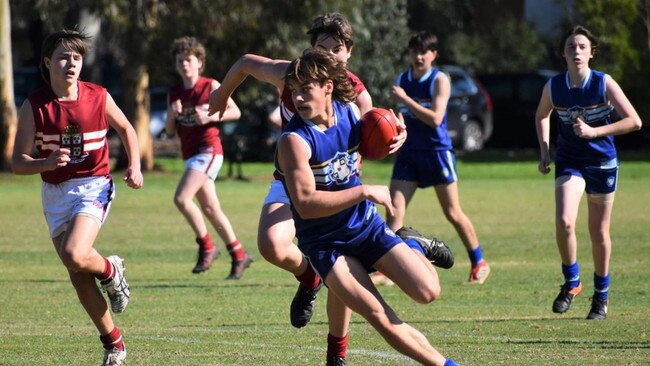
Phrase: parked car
(26, 80)
(469, 112)
(515, 97)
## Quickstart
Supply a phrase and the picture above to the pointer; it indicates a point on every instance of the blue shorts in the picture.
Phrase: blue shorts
(598, 178)
(367, 248)
(427, 168)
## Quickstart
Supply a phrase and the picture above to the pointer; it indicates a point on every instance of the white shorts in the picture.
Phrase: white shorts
(209, 164)
(277, 194)
(90, 196)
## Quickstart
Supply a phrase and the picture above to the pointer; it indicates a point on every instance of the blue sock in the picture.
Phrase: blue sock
(413, 244)
(571, 274)
(601, 286)
(475, 256)
(450, 362)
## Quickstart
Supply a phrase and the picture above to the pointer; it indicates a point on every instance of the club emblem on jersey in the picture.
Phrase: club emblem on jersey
(342, 168)
(611, 181)
(575, 112)
(72, 139)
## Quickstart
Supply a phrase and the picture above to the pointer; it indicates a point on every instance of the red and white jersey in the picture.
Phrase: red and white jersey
(287, 109)
(195, 138)
(78, 125)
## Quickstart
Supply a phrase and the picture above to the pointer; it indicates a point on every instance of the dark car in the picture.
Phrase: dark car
(515, 97)
(469, 112)
(26, 80)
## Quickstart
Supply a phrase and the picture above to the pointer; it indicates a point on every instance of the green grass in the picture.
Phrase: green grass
(177, 318)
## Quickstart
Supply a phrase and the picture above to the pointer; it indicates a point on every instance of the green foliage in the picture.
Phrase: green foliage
(511, 46)
(178, 318)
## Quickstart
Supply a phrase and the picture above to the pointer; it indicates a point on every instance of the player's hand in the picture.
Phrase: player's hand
(544, 164)
(381, 196)
(58, 158)
(202, 115)
(583, 130)
(397, 93)
(133, 178)
(398, 140)
(218, 103)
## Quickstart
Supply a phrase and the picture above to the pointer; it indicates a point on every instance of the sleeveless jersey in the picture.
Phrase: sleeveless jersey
(78, 125)
(287, 109)
(590, 103)
(420, 135)
(195, 138)
(333, 161)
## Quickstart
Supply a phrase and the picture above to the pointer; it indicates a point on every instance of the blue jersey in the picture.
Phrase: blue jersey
(420, 135)
(590, 103)
(333, 161)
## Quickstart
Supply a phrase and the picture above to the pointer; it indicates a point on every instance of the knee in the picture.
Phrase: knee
(427, 293)
(565, 225)
(208, 210)
(73, 261)
(180, 201)
(270, 248)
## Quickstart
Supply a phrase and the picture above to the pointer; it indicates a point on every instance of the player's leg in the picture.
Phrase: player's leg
(600, 212)
(275, 242)
(349, 281)
(401, 192)
(568, 192)
(338, 316)
(211, 207)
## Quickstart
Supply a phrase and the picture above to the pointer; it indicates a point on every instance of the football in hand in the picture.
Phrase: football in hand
(378, 127)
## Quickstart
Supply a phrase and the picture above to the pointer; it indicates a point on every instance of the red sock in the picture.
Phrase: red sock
(112, 340)
(205, 243)
(309, 278)
(108, 273)
(337, 346)
(236, 251)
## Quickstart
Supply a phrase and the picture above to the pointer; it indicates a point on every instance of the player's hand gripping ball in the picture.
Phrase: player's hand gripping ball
(378, 127)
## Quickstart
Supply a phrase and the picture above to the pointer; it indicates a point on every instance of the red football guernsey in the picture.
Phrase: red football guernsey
(195, 138)
(78, 125)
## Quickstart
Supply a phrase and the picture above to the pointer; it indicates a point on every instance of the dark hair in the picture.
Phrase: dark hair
(71, 39)
(575, 31)
(334, 25)
(317, 66)
(423, 41)
(189, 45)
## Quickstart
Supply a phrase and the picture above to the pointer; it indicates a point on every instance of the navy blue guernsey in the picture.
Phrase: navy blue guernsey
(420, 135)
(590, 103)
(334, 163)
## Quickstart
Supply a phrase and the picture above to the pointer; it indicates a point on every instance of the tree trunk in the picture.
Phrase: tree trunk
(8, 118)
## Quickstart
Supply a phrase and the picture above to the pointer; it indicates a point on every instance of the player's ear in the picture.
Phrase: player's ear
(329, 86)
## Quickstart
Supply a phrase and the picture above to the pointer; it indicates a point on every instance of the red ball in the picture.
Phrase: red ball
(378, 127)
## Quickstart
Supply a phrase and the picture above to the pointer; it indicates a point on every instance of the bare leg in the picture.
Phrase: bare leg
(568, 192)
(600, 212)
(275, 239)
(401, 192)
(189, 185)
(450, 203)
(207, 197)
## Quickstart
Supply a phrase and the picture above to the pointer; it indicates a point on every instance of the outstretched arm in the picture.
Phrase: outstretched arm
(260, 67)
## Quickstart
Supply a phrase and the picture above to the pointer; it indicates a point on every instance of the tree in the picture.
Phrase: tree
(8, 118)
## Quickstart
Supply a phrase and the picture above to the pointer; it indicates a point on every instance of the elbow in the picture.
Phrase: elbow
(637, 124)
(305, 211)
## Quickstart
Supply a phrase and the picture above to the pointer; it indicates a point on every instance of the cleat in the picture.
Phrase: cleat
(563, 300)
(117, 289)
(237, 268)
(114, 357)
(479, 273)
(302, 305)
(598, 309)
(205, 260)
(380, 279)
(336, 361)
(434, 249)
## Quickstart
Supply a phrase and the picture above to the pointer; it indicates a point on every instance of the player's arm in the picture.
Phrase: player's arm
(293, 159)
(260, 67)
(630, 120)
(119, 122)
(430, 116)
(174, 108)
(542, 126)
(22, 163)
(231, 113)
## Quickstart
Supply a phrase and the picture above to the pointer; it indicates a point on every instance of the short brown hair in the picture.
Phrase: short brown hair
(316, 66)
(189, 45)
(334, 25)
(71, 39)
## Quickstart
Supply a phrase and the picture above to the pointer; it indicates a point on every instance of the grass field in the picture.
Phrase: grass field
(177, 318)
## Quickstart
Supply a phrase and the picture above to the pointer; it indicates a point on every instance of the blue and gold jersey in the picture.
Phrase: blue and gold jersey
(590, 103)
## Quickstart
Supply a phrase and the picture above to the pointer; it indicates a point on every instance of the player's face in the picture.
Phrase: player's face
(311, 100)
(187, 65)
(334, 47)
(577, 50)
(64, 65)
(421, 61)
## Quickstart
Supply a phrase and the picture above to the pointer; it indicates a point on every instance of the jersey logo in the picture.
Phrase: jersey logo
(342, 168)
(575, 112)
(72, 139)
